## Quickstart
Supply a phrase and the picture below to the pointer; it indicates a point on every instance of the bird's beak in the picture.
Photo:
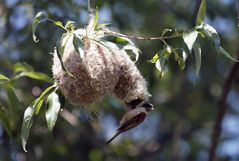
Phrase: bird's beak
(152, 107)
(148, 106)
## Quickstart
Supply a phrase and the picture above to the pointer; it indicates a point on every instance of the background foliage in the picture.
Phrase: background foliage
(179, 128)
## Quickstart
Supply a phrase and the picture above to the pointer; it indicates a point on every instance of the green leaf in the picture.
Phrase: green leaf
(14, 106)
(60, 49)
(109, 45)
(39, 101)
(34, 75)
(225, 53)
(122, 40)
(197, 53)
(70, 25)
(38, 104)
(201, 12)
(154, 59)
(96, 18)
(180, 57)
(189, 38)
(3, 79)
(160, 65)
(133, 49)
(26, 125)
(166, 31)
(61, 44)
(22, 67)
(53, 109)
(167, 50)
(211, 34)
(79, 46)
(58, 23)
(102, 25)
(5, 120)
(40, 16)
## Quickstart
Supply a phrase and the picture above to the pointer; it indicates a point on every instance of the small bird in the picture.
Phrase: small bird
(133, 118)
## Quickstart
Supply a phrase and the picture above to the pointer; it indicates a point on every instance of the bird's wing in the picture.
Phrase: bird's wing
(131, 114)
(135, 121)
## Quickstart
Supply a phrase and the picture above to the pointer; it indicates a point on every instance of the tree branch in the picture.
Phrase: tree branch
(222, 108)
(161, 38)
(238, 14)
(89, 6)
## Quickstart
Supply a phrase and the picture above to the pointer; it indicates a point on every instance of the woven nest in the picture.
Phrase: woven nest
(102, 71)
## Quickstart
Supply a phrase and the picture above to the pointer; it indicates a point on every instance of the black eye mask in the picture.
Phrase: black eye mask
(148, 106)
(133, 104)
(136, 103)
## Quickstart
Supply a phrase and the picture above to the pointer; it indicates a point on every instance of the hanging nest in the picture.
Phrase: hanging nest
(93, 64)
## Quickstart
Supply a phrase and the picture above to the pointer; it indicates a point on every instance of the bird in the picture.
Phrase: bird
(133, 118)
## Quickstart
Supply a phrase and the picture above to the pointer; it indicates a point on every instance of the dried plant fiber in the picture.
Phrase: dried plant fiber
(102, 71)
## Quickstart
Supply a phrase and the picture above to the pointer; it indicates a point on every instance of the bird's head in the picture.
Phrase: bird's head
(136, 103)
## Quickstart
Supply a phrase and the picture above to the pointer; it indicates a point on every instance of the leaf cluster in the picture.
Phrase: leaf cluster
(191, 39)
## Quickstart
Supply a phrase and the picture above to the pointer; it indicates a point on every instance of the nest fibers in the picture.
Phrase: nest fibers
(101, 71)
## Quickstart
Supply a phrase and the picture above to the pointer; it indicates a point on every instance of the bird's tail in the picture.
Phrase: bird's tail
(117, 133)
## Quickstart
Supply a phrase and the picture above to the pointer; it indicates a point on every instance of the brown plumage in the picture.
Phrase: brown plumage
(133, 118)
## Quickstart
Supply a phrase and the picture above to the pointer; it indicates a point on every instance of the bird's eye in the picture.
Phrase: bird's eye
(134, 103)
(148, 105)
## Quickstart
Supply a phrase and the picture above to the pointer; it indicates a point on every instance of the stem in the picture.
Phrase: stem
(89, 6)
(222, 108)
(161, 38)
(238, 14)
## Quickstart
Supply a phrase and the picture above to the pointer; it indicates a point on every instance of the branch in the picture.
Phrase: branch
(161, 38)
(238, 14)
(222, 108)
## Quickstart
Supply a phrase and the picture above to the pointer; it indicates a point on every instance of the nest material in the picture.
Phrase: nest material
(102, 71)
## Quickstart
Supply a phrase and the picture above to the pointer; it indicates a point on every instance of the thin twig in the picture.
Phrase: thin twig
(89, 7)
(222, 108)
(161, 38)
(238, 14)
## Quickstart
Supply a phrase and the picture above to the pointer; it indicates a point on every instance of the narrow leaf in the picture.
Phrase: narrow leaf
(134, 50)
(38, 76)
(180, 57)
(211, 33)
(78, 45)
(60, 49)
(22, 67)
(96, 18)
(122, 40)
(38, 102)
(160, 66)
(61, 44)
(166, 31)
(102, 25)
(189, 38)
(5, 120)
(154, 59)
(38, 105)
(52, 110)
(109, 45)
(40, 16)
(197, 53)
(201, 12)
(14, 104)
(34, 75)
(225, 53)
(70, 25)
(3, 79)
(26, 126)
